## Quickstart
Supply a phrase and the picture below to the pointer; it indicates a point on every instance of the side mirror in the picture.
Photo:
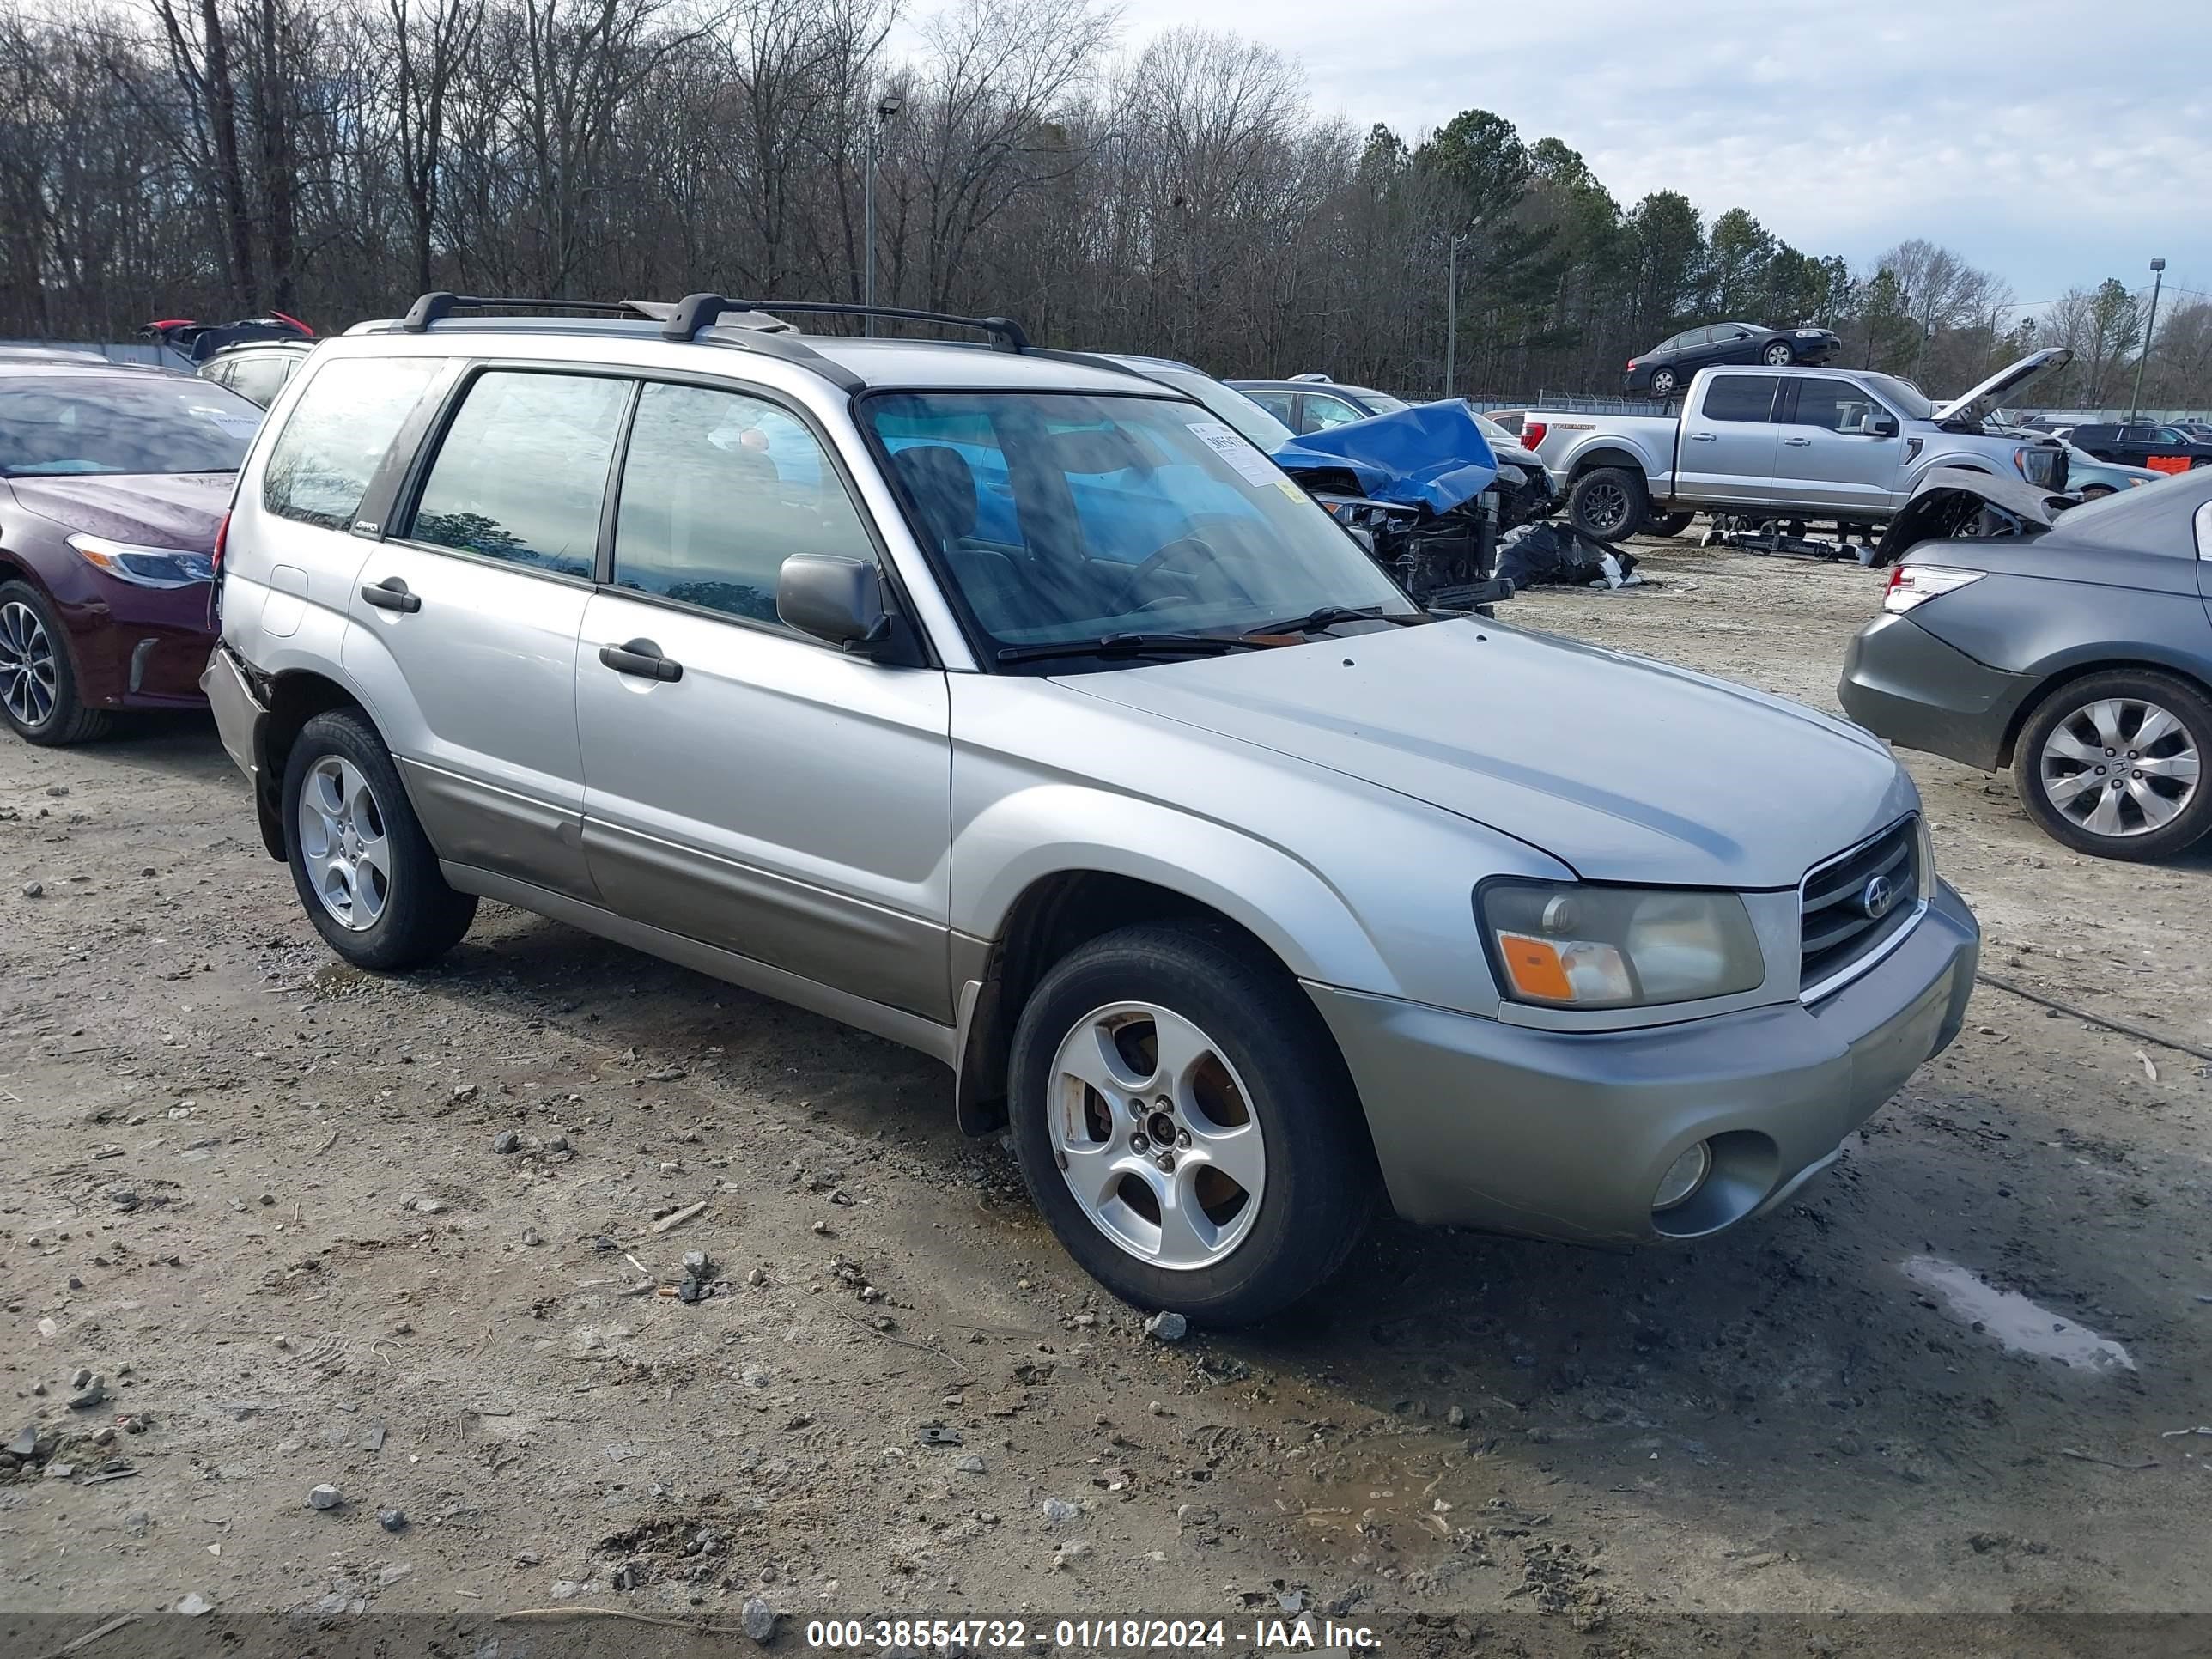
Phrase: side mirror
(838, 600)
(1883, 425)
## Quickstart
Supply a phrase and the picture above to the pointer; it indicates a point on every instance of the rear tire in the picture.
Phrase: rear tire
(1664, 382)
(1609, 503)
(1253, 1095)
(2087, 730)
(365, 872)
(37, 681)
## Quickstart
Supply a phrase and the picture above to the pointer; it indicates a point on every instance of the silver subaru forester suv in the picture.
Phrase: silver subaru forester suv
(1004, 703)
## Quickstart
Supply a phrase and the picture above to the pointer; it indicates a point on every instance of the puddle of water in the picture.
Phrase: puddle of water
(2019, 1324)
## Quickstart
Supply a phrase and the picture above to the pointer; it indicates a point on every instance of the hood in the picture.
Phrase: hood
(154, 509)
(1950, 501)
(2011, 378)
(1625, 770)
(1432, 455)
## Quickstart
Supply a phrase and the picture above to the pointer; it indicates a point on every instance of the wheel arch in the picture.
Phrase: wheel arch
(1604, 455)
(293, 697)
(2079, 667)
(1053, 914)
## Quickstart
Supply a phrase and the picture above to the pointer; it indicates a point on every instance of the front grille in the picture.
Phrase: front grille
(1840, 929)
(2046, 468)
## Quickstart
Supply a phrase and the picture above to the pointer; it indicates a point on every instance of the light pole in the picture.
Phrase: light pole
(2157, 278)
(1451, 310)
(886, 107)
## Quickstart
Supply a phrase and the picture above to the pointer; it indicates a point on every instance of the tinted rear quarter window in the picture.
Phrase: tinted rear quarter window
(1740, 397)
(336, 434)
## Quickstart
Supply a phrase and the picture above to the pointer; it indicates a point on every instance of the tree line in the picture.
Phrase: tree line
(332, 158)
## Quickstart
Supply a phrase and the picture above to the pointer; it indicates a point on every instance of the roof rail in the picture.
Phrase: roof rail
(1006, 334)
(432, 307)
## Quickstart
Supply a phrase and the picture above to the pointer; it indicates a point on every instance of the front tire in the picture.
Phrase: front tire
(1778, 355)
(364, 870)
(2111, 764)
(37, 681)
(1609, 503)
(1185, 1125)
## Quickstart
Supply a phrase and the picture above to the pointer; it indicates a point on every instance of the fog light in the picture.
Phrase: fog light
(1683, 1177)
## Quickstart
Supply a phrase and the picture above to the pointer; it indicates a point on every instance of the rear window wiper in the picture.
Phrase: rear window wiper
(1129, 645)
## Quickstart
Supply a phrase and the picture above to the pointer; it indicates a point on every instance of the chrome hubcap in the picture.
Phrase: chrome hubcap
(1778, 353)
(343, 842)
(1155, 1135)
(1663, 380)
(27, 665)
(2120, 767)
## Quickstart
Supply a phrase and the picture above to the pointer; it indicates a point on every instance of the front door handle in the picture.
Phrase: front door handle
(1798, 443)
(642, 658)
(391, 594)
(1702, 437)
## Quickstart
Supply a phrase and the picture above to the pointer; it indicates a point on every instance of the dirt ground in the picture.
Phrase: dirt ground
(257, 1193)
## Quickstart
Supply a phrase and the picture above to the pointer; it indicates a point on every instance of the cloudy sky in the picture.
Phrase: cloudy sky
(2054, 142)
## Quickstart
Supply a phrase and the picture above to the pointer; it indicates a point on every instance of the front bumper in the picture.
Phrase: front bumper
(1902, 683)
(139, 647)
(1566, 1135)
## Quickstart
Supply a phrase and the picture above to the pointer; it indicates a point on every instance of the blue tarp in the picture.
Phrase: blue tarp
(1431, 455)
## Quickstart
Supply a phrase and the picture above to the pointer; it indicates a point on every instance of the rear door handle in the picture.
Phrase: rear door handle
(391, 594)
(642, 658)
(1702, 437)
(1798, 443)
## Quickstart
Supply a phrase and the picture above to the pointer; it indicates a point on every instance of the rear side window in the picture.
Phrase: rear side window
(718, 490)
(1740, 397)
(523, 470)
(336, 438)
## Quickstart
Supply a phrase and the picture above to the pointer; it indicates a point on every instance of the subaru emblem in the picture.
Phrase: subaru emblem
(1876, 896)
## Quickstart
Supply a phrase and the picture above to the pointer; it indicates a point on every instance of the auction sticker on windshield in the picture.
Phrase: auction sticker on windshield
(1251, 466)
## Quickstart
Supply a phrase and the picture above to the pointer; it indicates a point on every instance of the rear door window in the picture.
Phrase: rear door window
(337, 434)
(1740, 397)
(522, 472)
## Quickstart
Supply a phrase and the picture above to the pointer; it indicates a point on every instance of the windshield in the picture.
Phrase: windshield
(1064, 517)
(1909, 401)
(50, 428)
(1256, 423)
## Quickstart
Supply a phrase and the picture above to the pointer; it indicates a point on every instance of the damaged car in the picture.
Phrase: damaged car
(2071, 643)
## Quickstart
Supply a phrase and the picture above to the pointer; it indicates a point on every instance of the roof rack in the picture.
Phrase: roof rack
(1006, 334)
(435, 307)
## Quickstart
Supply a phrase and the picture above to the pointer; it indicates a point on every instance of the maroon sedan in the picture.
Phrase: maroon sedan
(113, 482)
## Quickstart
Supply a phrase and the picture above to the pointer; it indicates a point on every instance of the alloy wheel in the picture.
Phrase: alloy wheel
(28, 673)
(1154, 1134)
(344, 844)
(2119, 767)
(1779, 354)
(1605, 506)
(1664, 381)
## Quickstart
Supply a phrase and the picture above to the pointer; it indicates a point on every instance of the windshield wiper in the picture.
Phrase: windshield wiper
(1328, 616)
(1129, 645)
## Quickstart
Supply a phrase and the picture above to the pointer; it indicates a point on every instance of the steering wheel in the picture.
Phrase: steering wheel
(1190, 543)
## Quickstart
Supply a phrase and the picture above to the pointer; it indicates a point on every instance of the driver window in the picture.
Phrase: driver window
(717, 490)
(1277, 403)
(1322, 413)
(1835, 406)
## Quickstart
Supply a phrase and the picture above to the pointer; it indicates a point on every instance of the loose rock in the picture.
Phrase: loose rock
(392, 1519)
(325, 1497)
(194, 1605)
(1167, 1328)
(506, 1141)
(758, 1619)
(89, 1393)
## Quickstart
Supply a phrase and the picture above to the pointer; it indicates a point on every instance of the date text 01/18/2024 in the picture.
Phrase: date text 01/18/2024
(1094, 1636)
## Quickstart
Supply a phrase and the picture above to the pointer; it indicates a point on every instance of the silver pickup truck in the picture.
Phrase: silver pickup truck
(1833, 445)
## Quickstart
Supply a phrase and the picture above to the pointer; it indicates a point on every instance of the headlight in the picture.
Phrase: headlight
(144, 566)
(1564, 946)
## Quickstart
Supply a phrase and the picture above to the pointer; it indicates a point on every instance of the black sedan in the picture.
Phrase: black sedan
(2081, 658)
(1666, 368)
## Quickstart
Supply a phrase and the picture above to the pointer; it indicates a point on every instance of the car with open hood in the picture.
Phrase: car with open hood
(113, 484)
(1841, 446)
(1010, 705)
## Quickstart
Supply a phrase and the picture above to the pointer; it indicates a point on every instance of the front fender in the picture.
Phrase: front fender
(1055, 829)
